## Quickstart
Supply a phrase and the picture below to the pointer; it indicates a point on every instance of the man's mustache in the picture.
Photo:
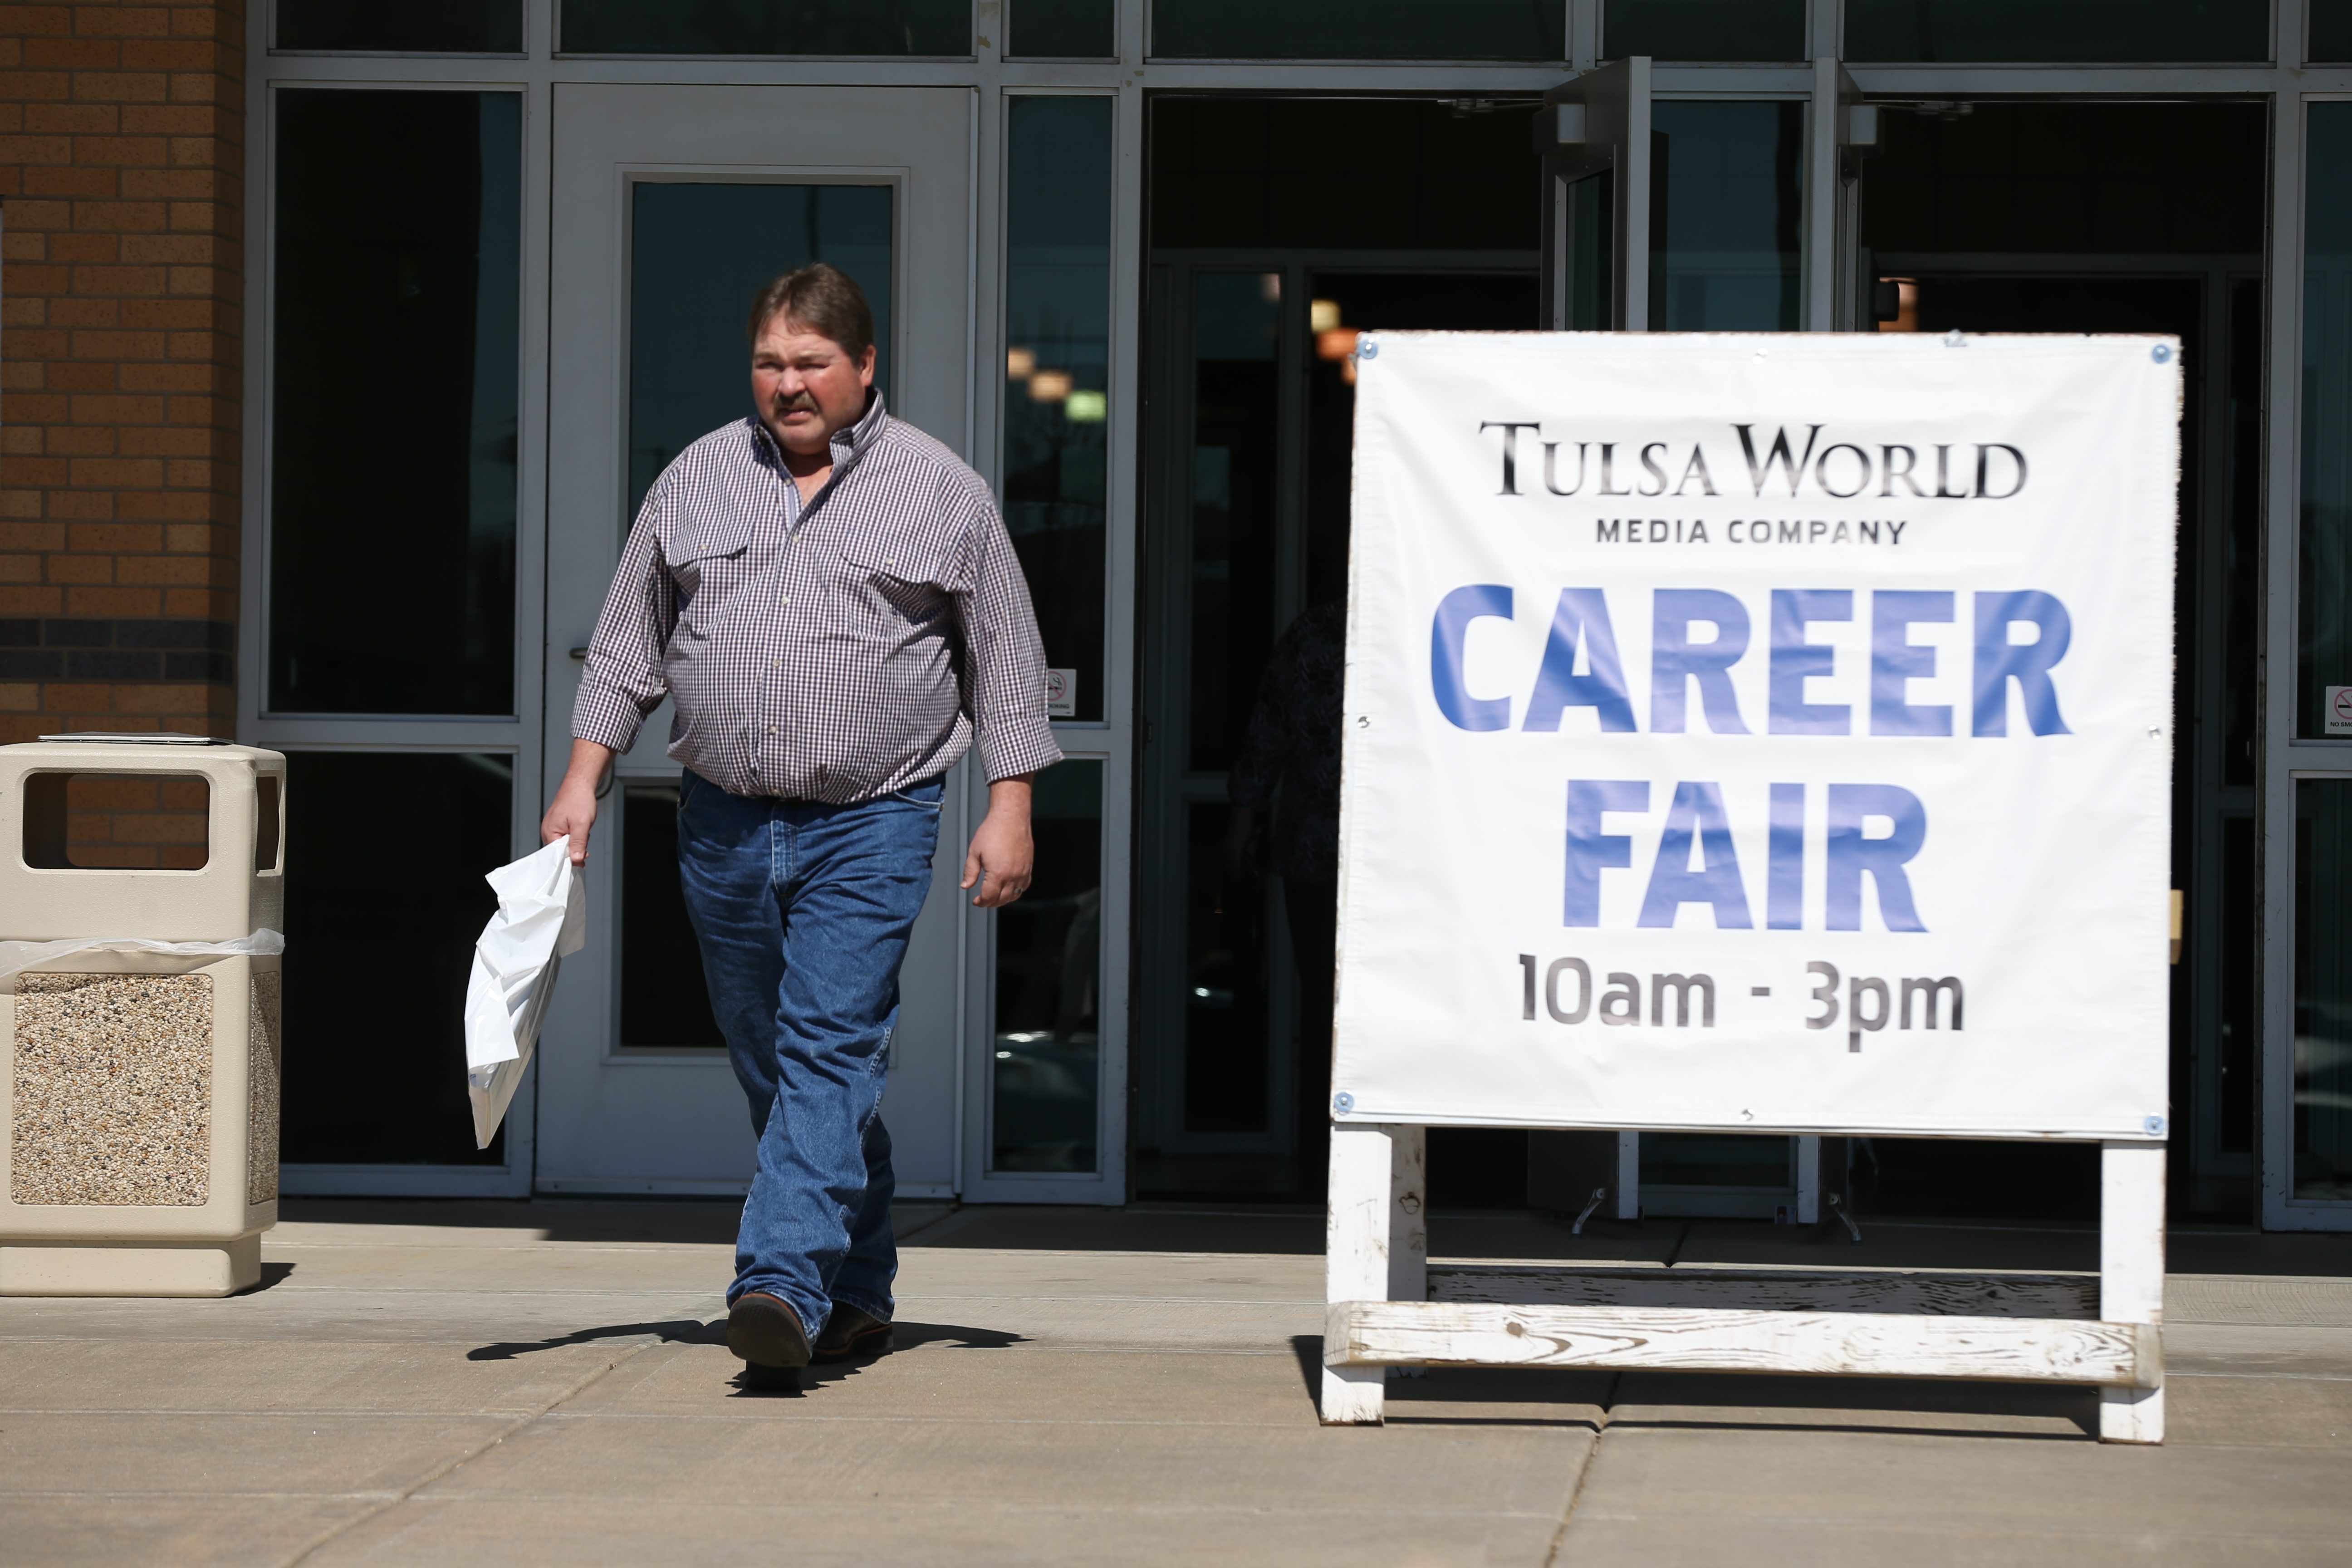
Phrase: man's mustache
(796, 403)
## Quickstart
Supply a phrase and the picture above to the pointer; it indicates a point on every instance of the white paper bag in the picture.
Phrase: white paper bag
(542, 916)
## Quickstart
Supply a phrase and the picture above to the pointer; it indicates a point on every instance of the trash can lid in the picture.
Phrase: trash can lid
(141, 738)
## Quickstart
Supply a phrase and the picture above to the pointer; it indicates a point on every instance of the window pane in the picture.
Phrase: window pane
(1235, 319)
(697, 254)
(1896, 31)
(2322, 988)
(1360, 30)
(2330, 38)
(437, 27)
(2233, 1098)
(1705, 29)
(2325, 660)
(1592, 252)
(1228, 1047)
(1057, 374)
(391, 504)
(379, 948)
(2239, 546)
(1725, 213)
(1712, 1160)
(1048, 983)
(1345, 175)
(663, 1002)
(768, 27)
(1060, 29)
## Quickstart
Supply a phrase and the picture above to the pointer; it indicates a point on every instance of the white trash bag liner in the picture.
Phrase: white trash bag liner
(17, 956)
(542, 916)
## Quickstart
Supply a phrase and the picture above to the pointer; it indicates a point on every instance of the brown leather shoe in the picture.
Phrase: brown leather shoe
(764, 1330)
(852, 1335)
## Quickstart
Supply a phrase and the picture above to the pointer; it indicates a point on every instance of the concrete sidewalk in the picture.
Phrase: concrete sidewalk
(543, 1382)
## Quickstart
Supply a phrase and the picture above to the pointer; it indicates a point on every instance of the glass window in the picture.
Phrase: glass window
(380, 949)
(1048, 985)
(2325, 630)
(2233, 1098)
(1060, 29)
(1360, 30)
(1718, 1160)
(392, 499)
(1236, 324)
(1592, 252)
(1705, 29)
(2239, 545)
(697, 254)
(413, 27)
(1228, 978)
(663, 1002)
(1992, 31)
(768, 27)
(2330, 36)
(1236, 319)
(2322, 988)
(1725, 211)
(1451, 175)
(1057, 377)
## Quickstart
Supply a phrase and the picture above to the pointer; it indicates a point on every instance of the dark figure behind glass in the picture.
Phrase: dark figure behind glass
(1289, 767)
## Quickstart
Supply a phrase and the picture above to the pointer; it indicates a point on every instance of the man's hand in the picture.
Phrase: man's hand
(1003, 854)
(574, 811)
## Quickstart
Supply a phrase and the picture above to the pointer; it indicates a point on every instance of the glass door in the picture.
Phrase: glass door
(672, 205)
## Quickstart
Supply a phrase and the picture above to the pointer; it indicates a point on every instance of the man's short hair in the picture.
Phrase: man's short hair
(821, 299)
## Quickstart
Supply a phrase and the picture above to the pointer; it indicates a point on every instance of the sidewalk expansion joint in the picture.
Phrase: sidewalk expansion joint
(1592, 1457)
(578, 1386)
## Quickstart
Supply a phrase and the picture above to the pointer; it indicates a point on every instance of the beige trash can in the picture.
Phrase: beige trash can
(138, 1090)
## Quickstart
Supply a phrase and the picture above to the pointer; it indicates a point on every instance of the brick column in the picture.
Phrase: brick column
(122, 148)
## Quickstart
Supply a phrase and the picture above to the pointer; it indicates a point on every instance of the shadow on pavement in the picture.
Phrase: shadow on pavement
(1851, 1404)
(1469, 1396)
(693, 1331)
(674, 1330)
(271, 1274)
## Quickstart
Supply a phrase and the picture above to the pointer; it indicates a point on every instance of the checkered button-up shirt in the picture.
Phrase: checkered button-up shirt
(833, 651)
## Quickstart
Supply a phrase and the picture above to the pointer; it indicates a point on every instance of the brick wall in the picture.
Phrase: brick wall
(121, 212)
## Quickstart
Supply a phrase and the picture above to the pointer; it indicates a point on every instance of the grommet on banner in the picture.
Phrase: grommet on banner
(1367, 349)
(1343, 1102)
(2161, 353)
(2154, 1124)
(1952, 340)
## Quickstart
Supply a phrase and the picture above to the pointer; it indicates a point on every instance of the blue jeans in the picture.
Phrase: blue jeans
(803, 912)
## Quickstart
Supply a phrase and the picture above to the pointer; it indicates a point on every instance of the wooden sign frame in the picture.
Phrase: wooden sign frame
(1385, 1306)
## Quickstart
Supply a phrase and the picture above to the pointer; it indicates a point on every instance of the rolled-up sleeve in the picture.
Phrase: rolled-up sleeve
(624, 681)
(1005, 659)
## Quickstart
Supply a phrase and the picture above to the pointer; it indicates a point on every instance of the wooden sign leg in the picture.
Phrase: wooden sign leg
(2131, 1276)
(1356, 1256)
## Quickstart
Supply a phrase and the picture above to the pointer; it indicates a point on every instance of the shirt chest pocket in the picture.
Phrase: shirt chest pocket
(712, 563)
(905, 579)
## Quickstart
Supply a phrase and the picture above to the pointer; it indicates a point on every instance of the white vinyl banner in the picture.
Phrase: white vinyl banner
(1759, 732)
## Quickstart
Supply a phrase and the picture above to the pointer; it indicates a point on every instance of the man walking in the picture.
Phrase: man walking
(832, 602)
